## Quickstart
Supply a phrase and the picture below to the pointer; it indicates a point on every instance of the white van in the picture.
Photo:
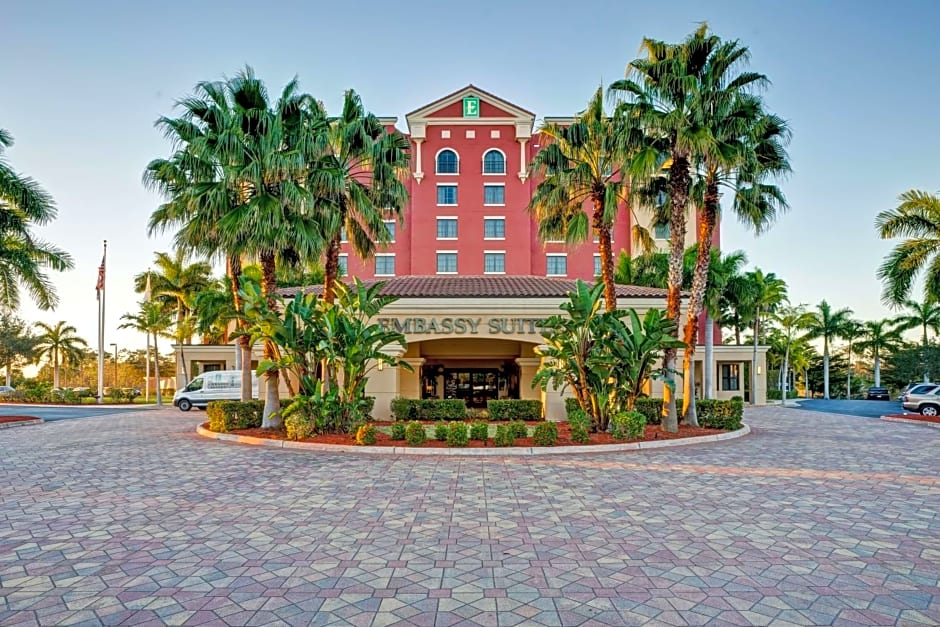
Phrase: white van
(221, 385)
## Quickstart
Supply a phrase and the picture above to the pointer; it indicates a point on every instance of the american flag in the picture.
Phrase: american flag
(100, 286)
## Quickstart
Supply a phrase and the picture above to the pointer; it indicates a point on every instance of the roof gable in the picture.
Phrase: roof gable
(451, 107)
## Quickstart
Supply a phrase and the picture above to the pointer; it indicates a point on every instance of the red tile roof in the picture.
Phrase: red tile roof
(488, 286)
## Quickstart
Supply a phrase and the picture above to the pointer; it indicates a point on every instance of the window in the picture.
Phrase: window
(390, 225)
(729, 377)
(344, 265)
(447, 228)
(597, 265)
(385, 265)
(342, 235)
(494, 263)
(556, 265)
(661, 231)
(494, 228)
(447, 162)
(446, 194)
(447, 262)
(494, 162)
(494, 195)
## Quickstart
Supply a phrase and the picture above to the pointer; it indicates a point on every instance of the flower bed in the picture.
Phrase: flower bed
(6, 419)
(916, 418)
(383, 438)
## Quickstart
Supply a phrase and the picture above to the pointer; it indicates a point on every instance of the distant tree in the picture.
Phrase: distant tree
(17, 344)
(828, 325)
(879, 336)
(59, 343)
(922, 316)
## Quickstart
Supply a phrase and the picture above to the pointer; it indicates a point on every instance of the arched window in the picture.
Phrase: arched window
(447, 162)
(494, 162)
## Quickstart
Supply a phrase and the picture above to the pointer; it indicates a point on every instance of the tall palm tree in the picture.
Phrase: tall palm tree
(852, 331)
(661, 92)
(721, 271)
(792, 320)
(155, 321)
(917, 220)
(646, 270)
(24, 258)
(733, 304)
(214, 310)
(923, 316)
(175, 283)
(879, 336)
(586, 163)
(766, 292)
(357, 184)
(59, 343)
(828, 325)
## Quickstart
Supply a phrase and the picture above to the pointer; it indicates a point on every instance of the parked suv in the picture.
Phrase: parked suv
(924, 399)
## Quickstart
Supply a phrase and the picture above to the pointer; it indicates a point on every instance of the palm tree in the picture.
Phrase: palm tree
(801, 355)
(791, 320)
(917, 219)
(357, 184)
(766, 292)
(586, 162)
(852, 330)
(214, 310)
(721, 271)
(175, 283)
(59, 344)
(646, 270)
(24, 258)
(155, 321)
(662, 93)
(923, 316)
(879, 335)
(828, 325)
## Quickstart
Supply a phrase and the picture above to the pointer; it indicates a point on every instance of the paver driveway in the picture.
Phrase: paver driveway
(813, 519)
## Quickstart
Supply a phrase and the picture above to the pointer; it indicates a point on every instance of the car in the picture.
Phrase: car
(910, 386)
(6, 390)
(923, 399)
(876, 393)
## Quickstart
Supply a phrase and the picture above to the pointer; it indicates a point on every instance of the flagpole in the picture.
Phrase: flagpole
(147, 333)
(100, 290)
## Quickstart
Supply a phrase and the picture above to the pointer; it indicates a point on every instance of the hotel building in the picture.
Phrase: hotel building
(471, 275)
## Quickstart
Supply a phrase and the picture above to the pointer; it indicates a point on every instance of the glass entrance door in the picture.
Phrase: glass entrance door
(475, 386)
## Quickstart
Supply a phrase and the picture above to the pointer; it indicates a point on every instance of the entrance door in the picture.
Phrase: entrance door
(475, 386)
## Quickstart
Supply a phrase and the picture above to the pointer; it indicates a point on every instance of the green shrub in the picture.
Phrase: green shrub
(428, 409)
(651, 408)
(519, 429)
(571, 404)
(580, 424)
(65, 396)
(440, 432)
(478, 414)
(503, 436)
(415, 433)
(298, 425)
(479, 430)
(716, 414)
(402, 407)
(628, 425)
(737, 398)
(365, 435)
(458, 434)
(398, 431)
(225, 416)
(515, 409)
(545, 434)
(774, 395)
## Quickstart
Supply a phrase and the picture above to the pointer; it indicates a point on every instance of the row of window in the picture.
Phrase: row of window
(447, 162)
(492, 195)
(494, 262)
(493, 228)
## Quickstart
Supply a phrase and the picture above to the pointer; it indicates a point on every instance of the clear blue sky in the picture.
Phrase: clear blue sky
(83, 82)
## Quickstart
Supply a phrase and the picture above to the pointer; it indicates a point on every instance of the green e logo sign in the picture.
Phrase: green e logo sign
(471, 107)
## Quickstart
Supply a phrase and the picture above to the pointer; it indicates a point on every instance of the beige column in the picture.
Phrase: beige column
(523, 162)
(528, 366)
(409, 383)
(384, 385)
(419, 173)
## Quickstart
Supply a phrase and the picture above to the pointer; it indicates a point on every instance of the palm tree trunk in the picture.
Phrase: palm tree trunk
(737, 329)
(708, 383)
(9, 382)
(877, 370)
(754, 357)
(607, 260)
(243, 350)
(924, 356)
(679, 199)
(806, 393)
(331, 269)
(55, 367)
(156, 368)
(825, 368)
(848, 375)
(271, 418)
(786, 380)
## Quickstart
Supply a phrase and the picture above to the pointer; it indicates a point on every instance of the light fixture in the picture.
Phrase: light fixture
(381, 366)
(758, 370)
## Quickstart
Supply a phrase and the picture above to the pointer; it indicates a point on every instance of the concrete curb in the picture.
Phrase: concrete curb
(472, 452)
(935, 425)
(21, 423)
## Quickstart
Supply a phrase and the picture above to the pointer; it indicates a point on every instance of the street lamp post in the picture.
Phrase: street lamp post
(115, 365)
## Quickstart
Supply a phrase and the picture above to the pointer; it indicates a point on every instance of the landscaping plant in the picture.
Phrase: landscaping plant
(365, 435)
(415, 434)
(518, 429)
(398, 431)
(628, 425)
(441, 431)
(458, 434)
(503, 436)
(479, 430)
(545, 434)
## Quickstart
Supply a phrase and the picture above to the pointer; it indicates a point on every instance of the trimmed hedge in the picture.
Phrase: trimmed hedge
(651, 408)
(715, 414)
(628, 426)
(428, 408)
(224, 416)
(504, 436)
(458, 434)
(415, 434)
(774, 395)
(545, 434)
(514, 409)
(479, 430)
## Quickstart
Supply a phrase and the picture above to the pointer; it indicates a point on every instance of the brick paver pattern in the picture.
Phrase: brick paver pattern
(129, 519)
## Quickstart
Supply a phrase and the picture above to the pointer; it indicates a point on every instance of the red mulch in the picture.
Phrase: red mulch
(16, 418)
(653, 432)
(916, 417)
